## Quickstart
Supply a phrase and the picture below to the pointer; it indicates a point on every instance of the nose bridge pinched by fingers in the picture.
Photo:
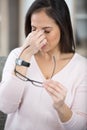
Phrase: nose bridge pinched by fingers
(39, 33)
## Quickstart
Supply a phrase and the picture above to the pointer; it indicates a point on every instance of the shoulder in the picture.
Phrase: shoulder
(80, 56)
(77, 69)
(10, 63)
(79, 64)
(81, 60)
(15, 52)
(11, 57)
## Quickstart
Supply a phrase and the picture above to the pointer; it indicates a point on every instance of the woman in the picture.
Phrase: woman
(44, 84)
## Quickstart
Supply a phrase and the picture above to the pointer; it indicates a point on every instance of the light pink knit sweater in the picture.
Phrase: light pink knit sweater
(31, 108)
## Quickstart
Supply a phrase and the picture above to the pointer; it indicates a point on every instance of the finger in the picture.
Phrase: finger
(31, 34)
(59, 88)
(39, 33)
(44, 42)
(56, 86)
(57, 97)
(41, 38)
(55, 93)
(51, 91)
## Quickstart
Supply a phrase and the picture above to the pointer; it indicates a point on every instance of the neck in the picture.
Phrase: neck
(49, 56)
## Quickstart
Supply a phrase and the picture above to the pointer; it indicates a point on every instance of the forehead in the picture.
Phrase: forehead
(42, 19)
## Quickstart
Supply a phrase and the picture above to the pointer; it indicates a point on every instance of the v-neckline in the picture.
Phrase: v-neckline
(59, 72)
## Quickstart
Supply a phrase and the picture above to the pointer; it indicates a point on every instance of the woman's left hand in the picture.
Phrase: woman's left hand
(57, 92)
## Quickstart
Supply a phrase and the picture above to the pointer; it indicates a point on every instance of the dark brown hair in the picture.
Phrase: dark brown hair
(57, 10)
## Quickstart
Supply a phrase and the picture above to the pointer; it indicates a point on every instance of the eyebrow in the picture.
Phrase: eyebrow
(48, 27)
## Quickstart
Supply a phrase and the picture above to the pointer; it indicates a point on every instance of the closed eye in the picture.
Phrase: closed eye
(45, 31)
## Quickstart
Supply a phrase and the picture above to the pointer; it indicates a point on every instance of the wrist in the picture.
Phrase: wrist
(26, 56)
(64, 113)
(21, 62)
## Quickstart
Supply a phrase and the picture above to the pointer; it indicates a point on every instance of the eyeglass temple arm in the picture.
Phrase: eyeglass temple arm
(27, 77)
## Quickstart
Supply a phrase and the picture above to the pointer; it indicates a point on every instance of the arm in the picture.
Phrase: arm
(58, 94)
(12, 88)
(11, 92)
(74, 118)
(78, 120)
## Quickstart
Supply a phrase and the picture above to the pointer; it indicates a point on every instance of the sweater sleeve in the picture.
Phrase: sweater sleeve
(11, 92)
(11, 88)
(78, 120)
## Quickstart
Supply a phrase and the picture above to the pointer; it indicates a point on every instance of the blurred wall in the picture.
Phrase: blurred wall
(11, 25)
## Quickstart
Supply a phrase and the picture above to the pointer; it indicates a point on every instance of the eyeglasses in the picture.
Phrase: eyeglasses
(34, 82)
(24, 78)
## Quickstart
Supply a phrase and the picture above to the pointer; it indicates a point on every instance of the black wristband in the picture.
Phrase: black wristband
(21, 62)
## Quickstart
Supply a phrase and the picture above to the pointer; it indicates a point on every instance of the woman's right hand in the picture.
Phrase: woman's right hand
(33, 42)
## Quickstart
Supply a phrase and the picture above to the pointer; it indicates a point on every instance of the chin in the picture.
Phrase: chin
(45, 50)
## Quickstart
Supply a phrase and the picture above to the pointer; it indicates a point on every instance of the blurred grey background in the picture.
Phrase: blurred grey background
(12, 15)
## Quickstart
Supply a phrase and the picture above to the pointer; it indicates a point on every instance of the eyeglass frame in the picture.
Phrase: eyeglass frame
(28, 79)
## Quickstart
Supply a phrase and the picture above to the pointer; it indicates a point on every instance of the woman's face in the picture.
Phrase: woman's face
(41, 21)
